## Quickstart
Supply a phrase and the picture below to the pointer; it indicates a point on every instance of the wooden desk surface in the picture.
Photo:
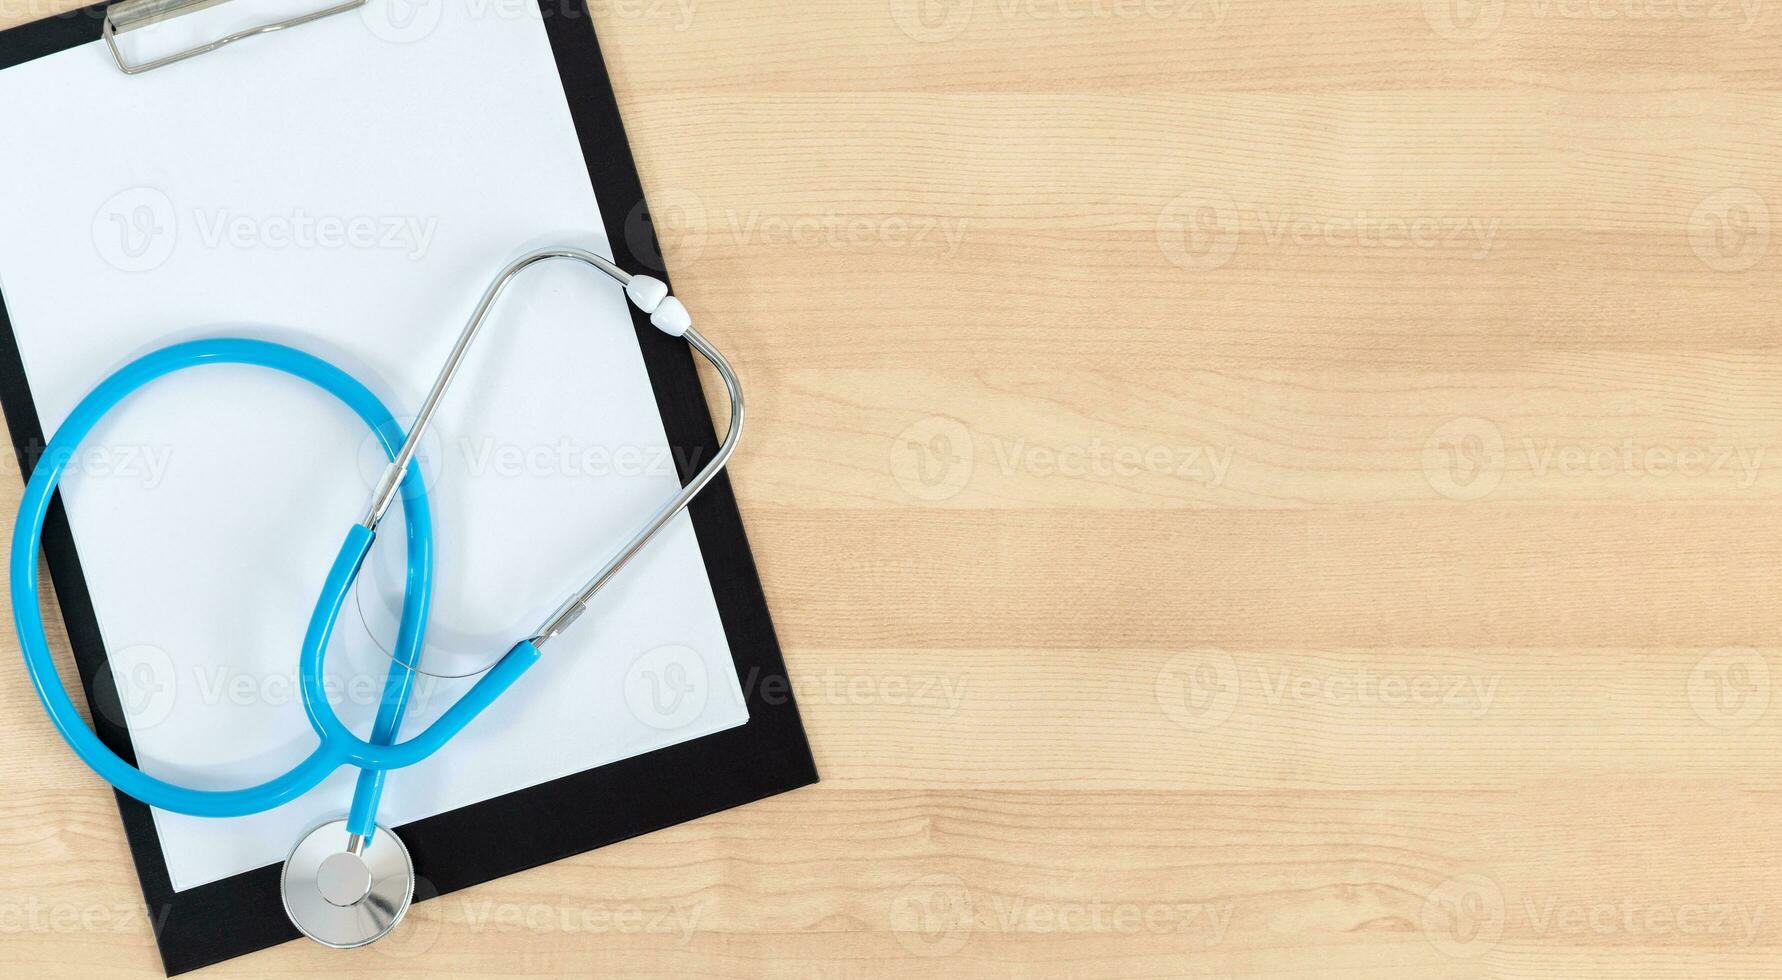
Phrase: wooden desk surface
(1246, 489)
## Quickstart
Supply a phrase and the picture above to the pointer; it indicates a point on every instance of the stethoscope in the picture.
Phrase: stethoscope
(348, 882)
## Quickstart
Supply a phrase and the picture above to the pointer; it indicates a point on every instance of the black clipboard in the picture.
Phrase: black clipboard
(769, 755)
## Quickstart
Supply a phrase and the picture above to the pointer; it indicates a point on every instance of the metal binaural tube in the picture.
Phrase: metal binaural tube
(572, 610)
(385, 493)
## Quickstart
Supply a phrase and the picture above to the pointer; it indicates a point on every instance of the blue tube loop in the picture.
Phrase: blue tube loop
(338, 746)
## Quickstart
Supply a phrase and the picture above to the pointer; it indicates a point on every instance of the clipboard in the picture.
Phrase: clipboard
(767, 755)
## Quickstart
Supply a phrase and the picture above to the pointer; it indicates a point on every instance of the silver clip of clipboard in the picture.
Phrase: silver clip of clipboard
(131, 15)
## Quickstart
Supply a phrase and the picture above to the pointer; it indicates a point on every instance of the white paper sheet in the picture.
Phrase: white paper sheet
(348, 188)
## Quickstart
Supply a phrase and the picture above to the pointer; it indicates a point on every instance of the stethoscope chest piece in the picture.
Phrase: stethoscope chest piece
(342, 897)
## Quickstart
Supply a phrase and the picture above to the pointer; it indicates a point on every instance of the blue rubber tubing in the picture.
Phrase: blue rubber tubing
(28, 620)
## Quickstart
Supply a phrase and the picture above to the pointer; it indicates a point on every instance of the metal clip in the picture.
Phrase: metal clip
(130, 15)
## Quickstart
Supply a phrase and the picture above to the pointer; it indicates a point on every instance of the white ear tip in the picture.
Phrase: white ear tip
(672, 318)
(647, 292)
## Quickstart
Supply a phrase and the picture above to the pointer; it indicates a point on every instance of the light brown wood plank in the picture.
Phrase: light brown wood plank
(1183, 570)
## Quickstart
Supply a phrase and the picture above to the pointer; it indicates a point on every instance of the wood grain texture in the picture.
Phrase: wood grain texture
(1246, 489)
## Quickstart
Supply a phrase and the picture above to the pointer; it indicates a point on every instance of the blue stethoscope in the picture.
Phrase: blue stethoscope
(348, 882)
